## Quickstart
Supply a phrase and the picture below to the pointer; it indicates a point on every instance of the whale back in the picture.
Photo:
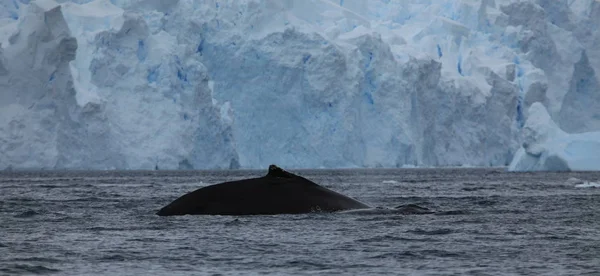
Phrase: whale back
(278, 192)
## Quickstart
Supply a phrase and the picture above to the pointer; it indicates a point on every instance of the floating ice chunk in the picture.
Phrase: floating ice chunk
(578, 183)
(588, 184)
(574, 181)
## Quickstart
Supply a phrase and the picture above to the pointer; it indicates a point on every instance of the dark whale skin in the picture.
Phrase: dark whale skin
(278, 192)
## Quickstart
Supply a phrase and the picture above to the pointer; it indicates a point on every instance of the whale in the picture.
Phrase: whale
(278, 192)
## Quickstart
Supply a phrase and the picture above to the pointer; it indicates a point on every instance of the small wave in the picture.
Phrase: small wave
(36, 259)
(84, 199)
(26, 214)
(397, 255)
(438, 253)
(58, 186)
(486, 202)
(417, 180)
(412, 209)
(388, 238)
(507, 211)
(474, 189)
(367, 211)
(435, 232)
(379, 218)
(408, 209)
(234, 222)
(117, 256)
(22, 199)
(453, 213)
(28, 269)
(389, 182)
(101, 228)
(469, 220)
(490, 238)
(555, 238)
(122, 185)
(114, 257)
(146, 239)
(307, 264)
(186, 248)
(224, 259)
(420, 254)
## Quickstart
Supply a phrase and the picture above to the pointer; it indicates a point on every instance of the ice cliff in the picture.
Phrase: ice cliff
(141, 84)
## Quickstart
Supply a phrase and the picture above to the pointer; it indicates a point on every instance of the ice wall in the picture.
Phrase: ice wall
(113, 114)
(142, 84)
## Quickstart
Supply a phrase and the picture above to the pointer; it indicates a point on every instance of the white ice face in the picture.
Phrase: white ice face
(141, 84)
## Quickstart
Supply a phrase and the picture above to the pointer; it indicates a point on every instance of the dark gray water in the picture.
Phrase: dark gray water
(488, 222)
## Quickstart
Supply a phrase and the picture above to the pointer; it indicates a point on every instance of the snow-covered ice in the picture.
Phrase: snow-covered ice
(144, 84)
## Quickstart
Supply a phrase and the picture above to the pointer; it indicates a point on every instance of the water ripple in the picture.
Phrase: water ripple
(442, 231)
(24, 269)
(485, 222)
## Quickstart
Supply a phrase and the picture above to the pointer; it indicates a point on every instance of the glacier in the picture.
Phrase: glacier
(147, 84)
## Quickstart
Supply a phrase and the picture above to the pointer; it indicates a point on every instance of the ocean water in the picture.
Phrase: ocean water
(487, 222)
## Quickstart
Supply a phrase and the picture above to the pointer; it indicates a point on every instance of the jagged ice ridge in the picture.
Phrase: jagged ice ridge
(141, 84)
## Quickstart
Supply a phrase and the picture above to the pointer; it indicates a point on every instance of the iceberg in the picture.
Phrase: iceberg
(548, 148)
(147, 84)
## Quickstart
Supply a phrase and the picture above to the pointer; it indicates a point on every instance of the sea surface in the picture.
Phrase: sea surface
(487, 222)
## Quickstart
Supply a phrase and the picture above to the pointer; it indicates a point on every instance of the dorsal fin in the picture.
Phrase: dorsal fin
(278, 172)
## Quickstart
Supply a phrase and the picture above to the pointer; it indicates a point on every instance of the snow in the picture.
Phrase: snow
(145, 84)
